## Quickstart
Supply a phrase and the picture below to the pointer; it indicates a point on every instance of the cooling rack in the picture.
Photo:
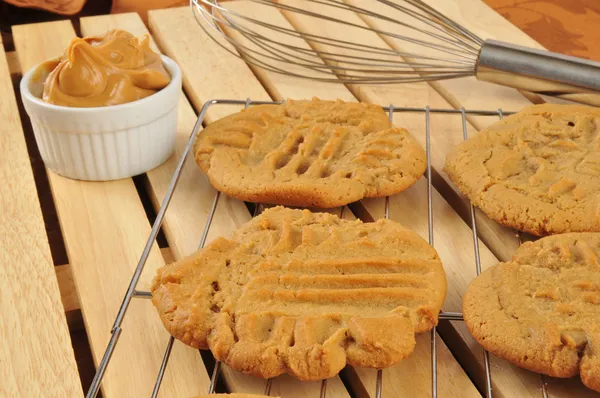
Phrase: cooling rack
(132, 291)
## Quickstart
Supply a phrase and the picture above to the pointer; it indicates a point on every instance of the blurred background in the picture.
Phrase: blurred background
(16, 12)
(559, 25)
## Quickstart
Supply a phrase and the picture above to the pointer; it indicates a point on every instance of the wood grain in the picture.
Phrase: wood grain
(13, 63)
(105, 228)
(68, 291)
(66, 284)
(142, 7)
(36, 357)
(207, 68)
(564, 26)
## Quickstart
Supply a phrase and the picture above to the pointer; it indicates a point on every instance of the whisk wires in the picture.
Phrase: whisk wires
(273, 44)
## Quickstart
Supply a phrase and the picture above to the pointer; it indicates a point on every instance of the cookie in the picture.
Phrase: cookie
(304, 293)
(541, 310)
(537, 171)
(309, 153)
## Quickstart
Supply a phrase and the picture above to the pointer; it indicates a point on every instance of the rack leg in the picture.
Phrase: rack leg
(323, 388)
(163, 367)
(486, 356)
(544, 386)
(95, 387)
(268, 387)
(434, 362)
(214, 377)
(379, 383)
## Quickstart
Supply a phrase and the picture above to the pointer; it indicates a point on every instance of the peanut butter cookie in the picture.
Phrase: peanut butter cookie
(309, 153)
(304, 293)
(537, 171)
(541, 310)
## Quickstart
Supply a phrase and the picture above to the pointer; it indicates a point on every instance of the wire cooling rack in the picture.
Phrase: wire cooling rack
(132, 291)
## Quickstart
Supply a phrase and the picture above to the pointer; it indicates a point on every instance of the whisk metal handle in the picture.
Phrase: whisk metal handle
(541, 72)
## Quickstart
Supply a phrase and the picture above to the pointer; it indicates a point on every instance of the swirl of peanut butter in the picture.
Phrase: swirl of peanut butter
(111, 69)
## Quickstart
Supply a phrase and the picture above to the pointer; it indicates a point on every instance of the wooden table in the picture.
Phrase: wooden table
(104, 225)
(564, 26)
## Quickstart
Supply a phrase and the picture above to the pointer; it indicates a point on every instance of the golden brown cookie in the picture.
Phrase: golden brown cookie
(304, 293)
(309, 153)
(541, 310)
(536, 171)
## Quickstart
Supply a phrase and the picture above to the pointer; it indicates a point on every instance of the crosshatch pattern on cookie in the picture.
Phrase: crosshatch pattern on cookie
(309, 153)
(541, 310)
(304, 293)
(537, 171)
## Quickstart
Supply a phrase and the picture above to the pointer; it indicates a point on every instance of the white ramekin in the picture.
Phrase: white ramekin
(104, 143)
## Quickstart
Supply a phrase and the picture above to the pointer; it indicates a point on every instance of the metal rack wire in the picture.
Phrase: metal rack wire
(132, 292)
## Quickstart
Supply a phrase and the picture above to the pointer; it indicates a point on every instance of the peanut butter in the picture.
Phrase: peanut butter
(110, 69)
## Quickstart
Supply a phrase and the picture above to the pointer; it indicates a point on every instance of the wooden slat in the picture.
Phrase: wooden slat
(68, 291)
(142, 7)
(167, 255)
(105, 229)
(66, 285)
(208, 70)
(13, 63)
(286, 87)
(35, 348)
(446, 132)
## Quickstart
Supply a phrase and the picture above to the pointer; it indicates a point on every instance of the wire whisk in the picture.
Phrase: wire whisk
(418, 44)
